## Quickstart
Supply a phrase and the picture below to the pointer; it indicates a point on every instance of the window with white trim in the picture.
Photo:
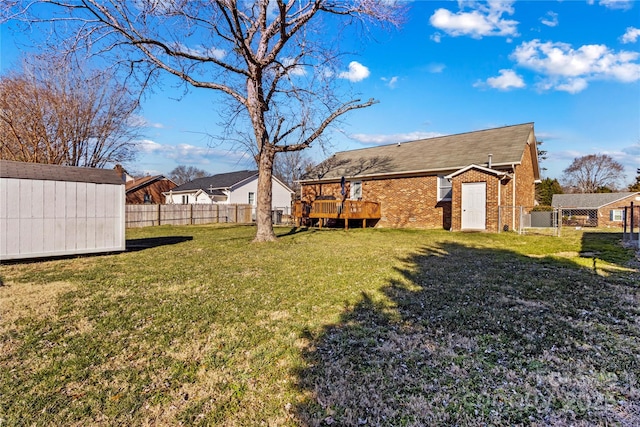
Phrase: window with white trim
(356, 190)
(252, 198)
(444, 188)
(616, 215)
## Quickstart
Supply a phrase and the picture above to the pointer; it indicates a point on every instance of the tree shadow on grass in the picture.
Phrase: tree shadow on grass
(605, 246)
(134, 245)
(481, 337)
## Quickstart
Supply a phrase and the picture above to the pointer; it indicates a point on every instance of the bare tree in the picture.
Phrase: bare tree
(290, 166)
(588, 174)
(270, 58)
(182, 174)
(53, 111)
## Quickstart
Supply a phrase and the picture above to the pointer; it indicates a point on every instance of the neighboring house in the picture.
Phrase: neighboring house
(469, 181)
(148, 189)
(228, 188)
(51, 210)
(595, 209)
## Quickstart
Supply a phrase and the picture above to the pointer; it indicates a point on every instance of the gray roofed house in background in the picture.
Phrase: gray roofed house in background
(445, 153)
(216, 183)
(588, 200)
(228, 188)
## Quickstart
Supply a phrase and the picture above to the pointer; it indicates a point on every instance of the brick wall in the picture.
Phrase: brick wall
(404, 202)
(604, 213)
(493, 184)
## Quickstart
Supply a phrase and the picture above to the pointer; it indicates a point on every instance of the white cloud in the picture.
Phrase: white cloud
(383, 139)
(436, 37)
(200, 51)
(392, 83)
(572, 85)
(631, 35)
(568, 69)
(436, 68)
(187, 153)
(296, 69)
(357, 72)
(550, 19)
(617, 4)
(140, 121)
(508, 79)
(483, 19)
(148, 146)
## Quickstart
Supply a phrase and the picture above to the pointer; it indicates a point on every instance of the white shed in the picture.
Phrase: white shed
(51, 210)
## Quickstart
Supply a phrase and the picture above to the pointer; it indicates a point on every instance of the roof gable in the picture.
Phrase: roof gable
(46, 172)
(588, 200)
(476, 167)
(506, 146)
(137, 183)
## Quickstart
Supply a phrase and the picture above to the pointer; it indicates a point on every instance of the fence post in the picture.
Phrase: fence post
(159, 213)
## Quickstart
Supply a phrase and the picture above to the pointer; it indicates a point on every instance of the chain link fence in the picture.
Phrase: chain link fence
(529, 220)
(550, 221)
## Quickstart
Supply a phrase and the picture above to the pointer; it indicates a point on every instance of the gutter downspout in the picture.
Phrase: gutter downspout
(513, 196)
(499, 194)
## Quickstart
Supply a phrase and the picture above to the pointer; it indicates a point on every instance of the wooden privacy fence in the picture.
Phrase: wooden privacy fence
(150, 215)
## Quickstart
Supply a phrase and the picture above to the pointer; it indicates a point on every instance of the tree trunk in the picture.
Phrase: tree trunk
(263, 212)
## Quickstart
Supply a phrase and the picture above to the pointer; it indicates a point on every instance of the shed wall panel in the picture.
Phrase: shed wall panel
(48, 218)
(3, 214)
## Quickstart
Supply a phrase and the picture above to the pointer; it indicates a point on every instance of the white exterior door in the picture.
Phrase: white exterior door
(474, 206)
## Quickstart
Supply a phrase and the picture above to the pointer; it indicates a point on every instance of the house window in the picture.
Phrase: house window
(185, 199)
(444, 188)
(147, 198)
(616, 215)
(252, 198)
(356, 190)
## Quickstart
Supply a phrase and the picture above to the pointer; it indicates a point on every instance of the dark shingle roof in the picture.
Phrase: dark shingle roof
(23, 170)
(444, 153)
(588, 200)
(216, 182)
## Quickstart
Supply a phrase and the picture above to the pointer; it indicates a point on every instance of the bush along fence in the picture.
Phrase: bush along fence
(151, 215)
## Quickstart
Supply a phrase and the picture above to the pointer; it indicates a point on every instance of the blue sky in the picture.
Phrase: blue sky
(571, 67)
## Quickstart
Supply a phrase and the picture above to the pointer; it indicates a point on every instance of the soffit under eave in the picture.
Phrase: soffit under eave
(397, 175)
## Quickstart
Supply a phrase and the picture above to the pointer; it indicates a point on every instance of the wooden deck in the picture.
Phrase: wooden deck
(335, 209)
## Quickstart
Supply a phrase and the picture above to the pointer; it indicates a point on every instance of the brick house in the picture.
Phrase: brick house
(455, 182)
(597, 209)
(148, 189)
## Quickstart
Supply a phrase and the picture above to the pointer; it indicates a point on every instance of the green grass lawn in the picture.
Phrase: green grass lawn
(199, 326)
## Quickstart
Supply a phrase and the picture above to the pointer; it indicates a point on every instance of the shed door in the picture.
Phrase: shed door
(474, 206)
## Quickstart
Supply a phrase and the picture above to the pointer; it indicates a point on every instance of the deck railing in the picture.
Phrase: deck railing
(337, 209)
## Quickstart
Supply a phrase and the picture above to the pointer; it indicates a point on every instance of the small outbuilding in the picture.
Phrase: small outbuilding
(51, 210)
(595, 209)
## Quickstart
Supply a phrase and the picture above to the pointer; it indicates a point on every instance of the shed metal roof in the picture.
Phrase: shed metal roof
(445, 153)
(45, 172)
